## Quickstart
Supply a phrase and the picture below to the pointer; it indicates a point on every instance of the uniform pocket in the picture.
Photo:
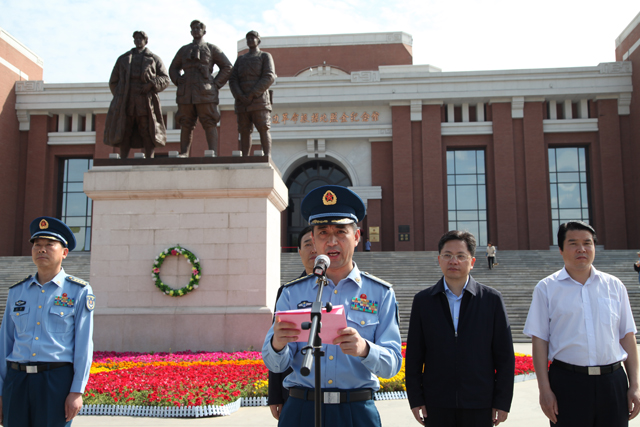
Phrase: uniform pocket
(609, 311)
(60, 319)
(365, 323)
(20, 318)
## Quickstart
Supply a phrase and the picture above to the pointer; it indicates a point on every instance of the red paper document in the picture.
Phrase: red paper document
(331, 322)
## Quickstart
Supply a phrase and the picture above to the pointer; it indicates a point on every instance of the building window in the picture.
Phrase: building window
(467, 193)
(569, 182)
(74, 205)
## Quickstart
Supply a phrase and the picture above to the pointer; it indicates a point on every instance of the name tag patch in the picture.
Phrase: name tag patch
(18, 309)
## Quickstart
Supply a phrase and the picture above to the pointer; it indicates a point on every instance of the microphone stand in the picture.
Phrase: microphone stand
(315, 345)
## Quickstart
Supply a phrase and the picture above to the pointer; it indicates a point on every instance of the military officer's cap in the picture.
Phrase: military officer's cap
(45, 227)
(333, 204)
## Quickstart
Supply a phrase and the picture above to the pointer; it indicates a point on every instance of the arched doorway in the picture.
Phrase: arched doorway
(303, 179)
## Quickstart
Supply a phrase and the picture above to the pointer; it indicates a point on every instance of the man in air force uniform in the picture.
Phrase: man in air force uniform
(367, 348)
(46, 344)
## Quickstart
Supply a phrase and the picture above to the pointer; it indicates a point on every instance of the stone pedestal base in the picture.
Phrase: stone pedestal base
(228, 215)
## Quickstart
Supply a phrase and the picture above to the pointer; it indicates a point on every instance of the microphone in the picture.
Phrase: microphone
(321, 264)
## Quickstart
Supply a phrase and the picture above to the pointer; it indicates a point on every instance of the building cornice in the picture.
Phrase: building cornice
(397, 88)
(28, 53)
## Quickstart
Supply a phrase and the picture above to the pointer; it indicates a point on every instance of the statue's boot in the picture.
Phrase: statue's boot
(245, 143)
(186, 137)
(212, 138)
(265, 141)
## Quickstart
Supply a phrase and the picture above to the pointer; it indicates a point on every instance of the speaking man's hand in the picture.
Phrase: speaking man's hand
(283, 334)
(351, 343)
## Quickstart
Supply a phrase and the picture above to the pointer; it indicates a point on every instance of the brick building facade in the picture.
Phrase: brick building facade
(507, 154)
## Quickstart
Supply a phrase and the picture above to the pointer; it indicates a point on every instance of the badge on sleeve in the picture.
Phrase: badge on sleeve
(91, 302)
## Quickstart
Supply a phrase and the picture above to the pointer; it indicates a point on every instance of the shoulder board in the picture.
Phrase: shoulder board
(77, 281)
(378, 280)
(20, 282)
(296, 281)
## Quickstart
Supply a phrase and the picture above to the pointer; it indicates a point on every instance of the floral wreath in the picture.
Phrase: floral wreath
(195, 271)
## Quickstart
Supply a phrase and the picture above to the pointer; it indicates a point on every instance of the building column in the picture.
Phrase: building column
(402, 177)
(433, 181)
(537, 184)
(36, 185)
(382, 176)
(609, 156)
(505, 178)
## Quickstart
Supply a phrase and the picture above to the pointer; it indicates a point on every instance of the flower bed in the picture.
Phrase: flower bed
(196, 378)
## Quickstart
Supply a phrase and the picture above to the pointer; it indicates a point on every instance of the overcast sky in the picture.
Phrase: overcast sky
(80, 40)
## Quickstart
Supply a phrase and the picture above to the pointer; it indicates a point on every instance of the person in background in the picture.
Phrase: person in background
(277, 393)
(636, 266)
(491, 255)
(367, 246)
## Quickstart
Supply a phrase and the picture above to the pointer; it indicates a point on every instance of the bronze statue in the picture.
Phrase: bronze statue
(135, 119)
(252, 75)
(197, 95)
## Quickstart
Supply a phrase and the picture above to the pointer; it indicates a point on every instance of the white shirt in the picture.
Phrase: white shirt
(582, 323)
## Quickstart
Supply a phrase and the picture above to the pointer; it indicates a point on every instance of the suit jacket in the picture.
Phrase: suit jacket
(472, 368)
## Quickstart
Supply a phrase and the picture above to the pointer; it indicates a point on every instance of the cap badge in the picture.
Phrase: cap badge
(44, 224)
(329, 198)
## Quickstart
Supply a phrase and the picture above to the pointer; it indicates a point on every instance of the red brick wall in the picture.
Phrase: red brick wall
(10, 166)
(382, 176)
(627, 43)
(228, 133)
(293, 60)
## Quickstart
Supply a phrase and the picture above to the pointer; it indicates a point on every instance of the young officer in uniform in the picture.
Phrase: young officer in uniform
(370, 344)
(46, 342)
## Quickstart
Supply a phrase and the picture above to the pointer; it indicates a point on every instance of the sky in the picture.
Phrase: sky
(80, 40)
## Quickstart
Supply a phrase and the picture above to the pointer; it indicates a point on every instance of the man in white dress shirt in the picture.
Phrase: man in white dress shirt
(580, 319)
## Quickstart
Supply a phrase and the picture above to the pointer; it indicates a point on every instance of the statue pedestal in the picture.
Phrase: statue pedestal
(227, 214)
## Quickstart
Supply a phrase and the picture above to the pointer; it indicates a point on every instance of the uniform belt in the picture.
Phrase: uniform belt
(34, 368)
(333, 397)
(589, 370)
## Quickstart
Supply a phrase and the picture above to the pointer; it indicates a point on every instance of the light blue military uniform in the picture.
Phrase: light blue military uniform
(338, 369)
(370, 308)
(46, 345)
(49, 322)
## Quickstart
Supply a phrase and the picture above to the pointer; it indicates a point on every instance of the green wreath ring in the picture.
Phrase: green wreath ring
(195, 271)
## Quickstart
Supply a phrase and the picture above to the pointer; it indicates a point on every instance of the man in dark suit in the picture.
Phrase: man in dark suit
(460, 361)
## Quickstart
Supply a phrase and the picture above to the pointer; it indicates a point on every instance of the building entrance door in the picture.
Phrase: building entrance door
(303, 179)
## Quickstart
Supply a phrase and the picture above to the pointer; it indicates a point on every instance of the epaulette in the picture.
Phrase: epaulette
(77, 281)
(296, 281)
(377, 279)
(20, 282)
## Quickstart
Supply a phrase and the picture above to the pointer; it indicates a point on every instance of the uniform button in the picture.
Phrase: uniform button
(33, 354)
(330, 357)
(62, 313)
(335, 291)
(39, 306)
(362, 322)
(43, 291)
(330, 381)
(37, 338)
(17, 314)
(38, 323)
